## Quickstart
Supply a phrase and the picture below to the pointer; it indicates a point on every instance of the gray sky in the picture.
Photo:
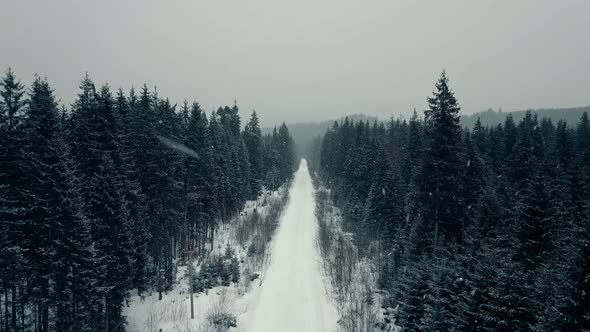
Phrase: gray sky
(303, 60)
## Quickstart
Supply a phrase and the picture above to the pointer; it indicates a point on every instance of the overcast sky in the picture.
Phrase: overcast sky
(305, 60)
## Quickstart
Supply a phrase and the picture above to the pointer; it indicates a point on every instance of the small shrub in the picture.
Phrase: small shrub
(217, 271)
(222, 320)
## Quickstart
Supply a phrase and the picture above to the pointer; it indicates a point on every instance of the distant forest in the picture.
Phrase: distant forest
(571, 116)
(96, 199)
(304, 133)
(479, 229)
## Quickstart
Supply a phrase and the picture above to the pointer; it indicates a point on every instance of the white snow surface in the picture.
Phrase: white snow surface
(293, 295)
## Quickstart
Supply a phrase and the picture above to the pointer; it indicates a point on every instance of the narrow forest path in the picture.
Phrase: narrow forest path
(293, 296)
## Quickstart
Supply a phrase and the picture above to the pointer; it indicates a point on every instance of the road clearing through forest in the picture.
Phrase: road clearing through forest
(293, 296)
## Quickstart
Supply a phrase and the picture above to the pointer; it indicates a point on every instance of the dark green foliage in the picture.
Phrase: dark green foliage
(199, 184)
(511, 202)
(442, 165)
(95, 201)
(253, 141)
(493, 118)
(278, 157)
(217, 271)
(14, 199)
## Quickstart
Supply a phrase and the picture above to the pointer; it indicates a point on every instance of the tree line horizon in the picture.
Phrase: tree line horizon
(471, 229)
(93, 205)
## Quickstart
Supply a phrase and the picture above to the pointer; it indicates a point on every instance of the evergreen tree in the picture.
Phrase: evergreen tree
(95, 150)
(253, 141)
(13, 198)
(89, 204)
(511, 202)
(442, 164)
(286, 152)
(12, 99)
(132, 194)
(201, 198)
(221, 167)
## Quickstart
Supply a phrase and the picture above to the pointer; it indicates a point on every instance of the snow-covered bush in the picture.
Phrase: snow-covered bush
(219, 318)
(255, 230)
(222, 320)
(353, 277)
(217, 271)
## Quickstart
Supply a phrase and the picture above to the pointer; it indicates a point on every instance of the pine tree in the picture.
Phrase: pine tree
(221, 167)
(480, 138)
(442, 300)
(13, 198)
(286, 150)
(96, 151)
(239, 168)
(253, 141)
(201, 198)
(534, 224)
(13, 100)
(170, 187)
(271, 160)
(43, 159)
(383, 215)
(411, 292)
(62, 253)
(134, 199)
(441, 169)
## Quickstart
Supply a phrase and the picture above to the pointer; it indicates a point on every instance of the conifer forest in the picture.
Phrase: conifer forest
(476, 229)
(94, 204)
(295, 166)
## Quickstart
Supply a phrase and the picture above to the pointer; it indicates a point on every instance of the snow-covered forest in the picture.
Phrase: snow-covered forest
(127, 212)
(468, 229)
(103, 201)
(294, 166)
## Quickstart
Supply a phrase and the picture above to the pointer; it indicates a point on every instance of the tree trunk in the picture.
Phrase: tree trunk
(45, 307)
(212, 236)
(159, 275)
(1, 316)
(14, 327)
(38, 318)
(5, 308)
(22, 306)
(106, 313)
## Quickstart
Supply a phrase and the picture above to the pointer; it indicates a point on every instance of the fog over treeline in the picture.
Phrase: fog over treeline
(302, 61)
(300, 166)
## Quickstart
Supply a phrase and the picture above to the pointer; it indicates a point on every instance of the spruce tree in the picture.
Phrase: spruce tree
(253, 141)
(60, 231)
(221, 167)
(200, 195)
(14, 198)
(13, 93)
(286, 150)
(96, 151)
(442, 165)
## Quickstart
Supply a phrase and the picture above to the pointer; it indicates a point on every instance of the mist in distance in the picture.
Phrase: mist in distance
(307, 60)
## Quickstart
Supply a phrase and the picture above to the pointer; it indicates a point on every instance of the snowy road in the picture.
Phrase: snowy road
(293, 296)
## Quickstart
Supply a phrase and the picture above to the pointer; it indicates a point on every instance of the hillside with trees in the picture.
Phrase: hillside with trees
(482, 229)
(570, 116)
(304, 133)
(104, 197)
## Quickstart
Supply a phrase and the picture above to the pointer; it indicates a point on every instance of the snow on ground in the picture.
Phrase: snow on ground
(172, 313)
(352, 274)
(293, 295)
(290, 295)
